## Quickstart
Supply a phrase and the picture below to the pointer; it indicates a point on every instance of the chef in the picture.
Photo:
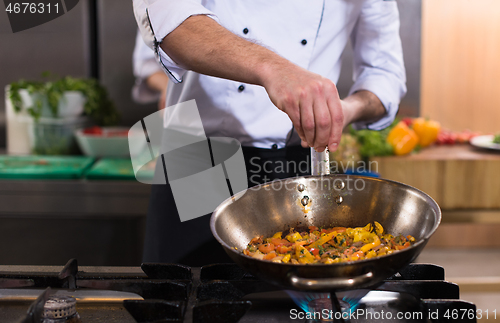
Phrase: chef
(264, 73)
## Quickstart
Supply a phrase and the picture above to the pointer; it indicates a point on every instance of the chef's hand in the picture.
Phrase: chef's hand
(163, 98)
(158, 81)
(312, 104)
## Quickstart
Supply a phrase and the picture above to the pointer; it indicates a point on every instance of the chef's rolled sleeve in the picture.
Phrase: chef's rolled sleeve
(158, 18)
(378, 59)
(145, 64)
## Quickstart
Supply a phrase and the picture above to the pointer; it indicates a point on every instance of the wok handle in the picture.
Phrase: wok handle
(328, 283)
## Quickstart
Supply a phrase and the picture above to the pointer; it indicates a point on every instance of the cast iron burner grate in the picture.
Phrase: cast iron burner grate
(220, 292)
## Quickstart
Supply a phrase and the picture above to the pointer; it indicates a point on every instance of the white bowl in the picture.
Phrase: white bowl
(71, 104)
(107, 145)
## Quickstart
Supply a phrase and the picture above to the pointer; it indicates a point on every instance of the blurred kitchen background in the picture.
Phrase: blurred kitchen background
(451, 50)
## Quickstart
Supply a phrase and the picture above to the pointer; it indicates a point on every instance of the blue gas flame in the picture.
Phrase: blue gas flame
(352, 298)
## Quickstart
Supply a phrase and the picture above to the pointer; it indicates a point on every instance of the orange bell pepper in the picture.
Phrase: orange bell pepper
(426, 130)
(402, 139)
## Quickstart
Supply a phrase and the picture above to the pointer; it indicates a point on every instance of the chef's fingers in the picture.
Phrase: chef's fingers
(300, 132)
(307, 122)
(322, 121)
(337, 121)
(291, 107)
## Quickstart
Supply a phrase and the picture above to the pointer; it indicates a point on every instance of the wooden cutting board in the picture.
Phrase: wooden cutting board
(457, 177)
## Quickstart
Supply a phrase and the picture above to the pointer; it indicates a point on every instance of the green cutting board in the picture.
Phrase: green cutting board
(43, 167)
(113, 168)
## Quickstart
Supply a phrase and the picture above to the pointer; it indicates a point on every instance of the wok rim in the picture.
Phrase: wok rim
(239, 253)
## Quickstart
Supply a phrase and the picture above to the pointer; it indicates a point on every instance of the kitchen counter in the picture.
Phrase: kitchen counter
(476, 271)
(464, 181)
(45, 222)
(82, 198)
(457, 177)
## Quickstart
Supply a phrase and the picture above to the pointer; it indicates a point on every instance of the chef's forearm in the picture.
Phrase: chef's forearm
(362, 106)
(310, 100)
(200, 44)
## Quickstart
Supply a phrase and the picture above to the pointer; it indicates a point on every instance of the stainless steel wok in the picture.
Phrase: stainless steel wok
(342, 200)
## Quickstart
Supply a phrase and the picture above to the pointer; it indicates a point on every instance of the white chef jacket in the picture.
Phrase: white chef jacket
(311, 34)
(145, 64)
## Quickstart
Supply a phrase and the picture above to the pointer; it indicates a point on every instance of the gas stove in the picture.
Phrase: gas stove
(223, 293)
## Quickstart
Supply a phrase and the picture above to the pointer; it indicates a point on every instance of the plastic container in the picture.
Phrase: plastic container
(17, 128)
(21, 128)
(108, 145)
(70, 105)
(49, 136)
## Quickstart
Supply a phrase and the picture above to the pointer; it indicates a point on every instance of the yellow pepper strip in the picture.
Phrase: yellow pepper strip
(370, 246)
(277, 235)
(294, 237)
(286, 258)
(402, 139)
(426, 130)
(361, 235)
(379, 228)
(303, 255)
(388, 237)
(371, 254)
(325, 237)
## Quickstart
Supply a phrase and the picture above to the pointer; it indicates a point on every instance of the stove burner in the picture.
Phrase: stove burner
(324, 308)
(221, 293)
(60, 309)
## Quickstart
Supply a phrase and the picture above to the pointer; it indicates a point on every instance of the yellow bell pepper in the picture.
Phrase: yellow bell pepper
(294, 237)
(286, 258)
(426, 130)
(325, 237)
(305, 257)
(277, 235)
(361, 235)
(371, 254)
(331, 261)
(370, 246)
(379, 228)
(402, 139)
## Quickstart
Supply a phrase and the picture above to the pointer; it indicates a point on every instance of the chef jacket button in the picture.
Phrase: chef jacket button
(245, 31)
(241, 88)
(303, 42)
(274, 146)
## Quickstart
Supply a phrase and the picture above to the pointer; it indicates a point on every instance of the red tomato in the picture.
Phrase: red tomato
(95, 130)
(279, 242)
(408, 121)
(266, 248)
(441, 139)
(283, 249)
(452, 138)
(270, 256)
(314, 251)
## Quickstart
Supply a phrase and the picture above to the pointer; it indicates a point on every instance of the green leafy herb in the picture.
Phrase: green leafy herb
(373, 143)
(98, 106)
(496, 140)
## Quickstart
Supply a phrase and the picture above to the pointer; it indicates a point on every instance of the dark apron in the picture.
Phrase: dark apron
(168, 240)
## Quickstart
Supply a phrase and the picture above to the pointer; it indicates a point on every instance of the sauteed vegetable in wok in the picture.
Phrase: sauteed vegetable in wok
(327, 246)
